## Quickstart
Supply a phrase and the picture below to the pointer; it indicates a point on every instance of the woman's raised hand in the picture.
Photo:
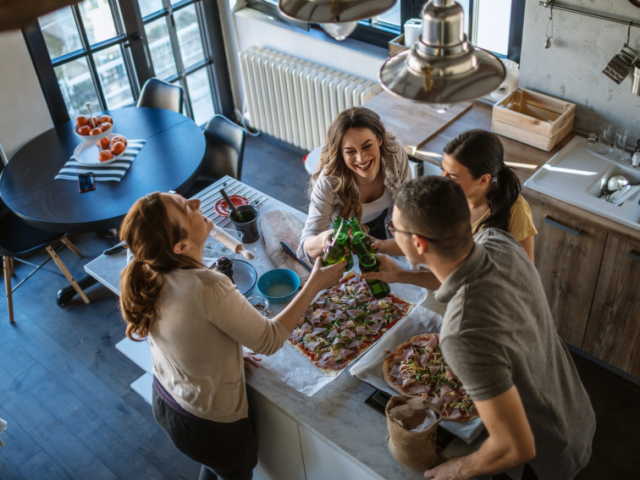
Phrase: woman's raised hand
(325, 238)
(325, 277)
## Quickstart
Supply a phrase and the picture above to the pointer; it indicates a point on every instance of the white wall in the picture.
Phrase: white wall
(572, 67)
(255, 28)
(23, 110)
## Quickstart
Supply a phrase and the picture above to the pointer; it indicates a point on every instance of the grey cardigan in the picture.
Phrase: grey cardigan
(325, 202)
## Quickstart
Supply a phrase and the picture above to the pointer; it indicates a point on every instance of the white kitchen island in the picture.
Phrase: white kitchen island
(332, 435)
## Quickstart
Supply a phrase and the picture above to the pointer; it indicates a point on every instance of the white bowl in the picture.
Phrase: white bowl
(88, 138)
(87, 153)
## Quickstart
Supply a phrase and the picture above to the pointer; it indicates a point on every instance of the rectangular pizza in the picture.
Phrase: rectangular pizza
(344, 322)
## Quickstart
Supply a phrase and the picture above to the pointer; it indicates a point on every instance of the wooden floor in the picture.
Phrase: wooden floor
(64, 387)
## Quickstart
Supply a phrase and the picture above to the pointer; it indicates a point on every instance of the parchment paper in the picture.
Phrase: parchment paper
(369, 369)
(297, 371)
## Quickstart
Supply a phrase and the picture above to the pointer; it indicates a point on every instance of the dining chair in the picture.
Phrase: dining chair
(18, 238)
(223, 155)
(157, 93)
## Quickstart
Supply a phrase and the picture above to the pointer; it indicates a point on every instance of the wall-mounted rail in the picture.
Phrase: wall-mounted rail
(556, 6)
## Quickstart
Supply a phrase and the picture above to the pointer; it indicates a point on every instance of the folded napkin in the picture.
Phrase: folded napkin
(112, 172)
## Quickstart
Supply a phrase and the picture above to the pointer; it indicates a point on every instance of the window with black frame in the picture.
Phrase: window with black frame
(85, 45)
(495, 25)
(89, 49)
(175, 38)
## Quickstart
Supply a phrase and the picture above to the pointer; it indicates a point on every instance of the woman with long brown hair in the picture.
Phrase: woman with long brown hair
(197, 323)
(361, 167)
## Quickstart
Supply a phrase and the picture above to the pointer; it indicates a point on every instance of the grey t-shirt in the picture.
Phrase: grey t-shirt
(498, 332)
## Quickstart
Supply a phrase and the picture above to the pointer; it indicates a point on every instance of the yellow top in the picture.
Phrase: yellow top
(520, 222)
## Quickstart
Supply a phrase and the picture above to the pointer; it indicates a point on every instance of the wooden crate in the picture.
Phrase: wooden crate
(396, 45)
(533, 118)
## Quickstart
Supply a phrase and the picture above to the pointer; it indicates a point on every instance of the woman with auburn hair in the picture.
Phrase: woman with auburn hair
(197, 323)
(362, 166)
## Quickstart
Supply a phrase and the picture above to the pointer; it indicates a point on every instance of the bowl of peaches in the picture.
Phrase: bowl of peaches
(99, 145)
(93, 127)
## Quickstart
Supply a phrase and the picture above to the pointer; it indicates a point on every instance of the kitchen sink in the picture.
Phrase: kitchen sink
(573, 175)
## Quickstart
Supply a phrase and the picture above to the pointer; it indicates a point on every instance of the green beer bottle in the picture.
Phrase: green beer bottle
(369, 263)
(358, 234)
(346, 244)
(336, 223)
(335, 252)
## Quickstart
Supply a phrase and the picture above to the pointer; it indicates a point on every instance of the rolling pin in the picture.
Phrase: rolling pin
(230, 242)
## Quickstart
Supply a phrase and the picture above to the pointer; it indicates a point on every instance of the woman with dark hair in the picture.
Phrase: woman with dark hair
(197, 322)
(362, 166)
(475, 159)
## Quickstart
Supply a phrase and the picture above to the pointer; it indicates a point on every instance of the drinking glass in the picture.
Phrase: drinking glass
(620, 145)
(592, 140)
(605, 139)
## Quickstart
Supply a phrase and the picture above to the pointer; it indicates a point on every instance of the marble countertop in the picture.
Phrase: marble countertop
(337, 413)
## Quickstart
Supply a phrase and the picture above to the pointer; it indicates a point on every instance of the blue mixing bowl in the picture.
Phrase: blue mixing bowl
(279, 285)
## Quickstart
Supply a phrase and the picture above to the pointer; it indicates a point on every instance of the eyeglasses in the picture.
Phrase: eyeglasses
(393, 230)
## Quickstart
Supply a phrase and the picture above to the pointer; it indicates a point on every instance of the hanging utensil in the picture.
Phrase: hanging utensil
(620, 66)
(547, 44)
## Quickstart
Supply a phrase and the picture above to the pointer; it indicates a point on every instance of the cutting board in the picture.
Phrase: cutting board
(413, 124)
(283, 226)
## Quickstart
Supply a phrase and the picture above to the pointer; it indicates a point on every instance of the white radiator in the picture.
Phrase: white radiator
(296, 100)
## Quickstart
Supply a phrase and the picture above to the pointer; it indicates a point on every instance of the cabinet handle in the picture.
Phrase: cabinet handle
(634, 256)
(553, 223)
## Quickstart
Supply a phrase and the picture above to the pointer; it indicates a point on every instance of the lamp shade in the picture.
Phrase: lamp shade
(333, 11)
(442, 67)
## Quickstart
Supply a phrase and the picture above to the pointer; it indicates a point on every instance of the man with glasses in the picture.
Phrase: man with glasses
(497, 335)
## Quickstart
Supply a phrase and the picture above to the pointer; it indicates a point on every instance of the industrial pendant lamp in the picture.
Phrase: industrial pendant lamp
(442, 68)
(334, 11)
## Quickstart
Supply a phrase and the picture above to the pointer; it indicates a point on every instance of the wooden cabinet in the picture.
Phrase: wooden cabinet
(590, 269)
(568, 254)
(613, 332)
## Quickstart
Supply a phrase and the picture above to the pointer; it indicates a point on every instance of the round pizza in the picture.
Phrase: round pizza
(417, 368)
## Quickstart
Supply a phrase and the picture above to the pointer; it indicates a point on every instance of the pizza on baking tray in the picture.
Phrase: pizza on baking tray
(417, 368)
(343, 322)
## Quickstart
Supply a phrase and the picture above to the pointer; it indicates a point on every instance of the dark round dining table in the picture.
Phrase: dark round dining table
(169, 160)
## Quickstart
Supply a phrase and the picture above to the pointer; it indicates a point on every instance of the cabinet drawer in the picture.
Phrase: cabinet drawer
(568, 254)
(613, 332)
(279, 452)
(323, 462)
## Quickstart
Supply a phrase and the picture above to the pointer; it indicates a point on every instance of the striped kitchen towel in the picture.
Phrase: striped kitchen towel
(111, 172)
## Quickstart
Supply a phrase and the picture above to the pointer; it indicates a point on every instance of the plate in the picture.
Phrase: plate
(87, 154)
(245, 276)
(222, 208)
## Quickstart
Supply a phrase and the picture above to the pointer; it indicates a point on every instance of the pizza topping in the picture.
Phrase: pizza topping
(376, 326)
(340, 315)
(348, 333)
(317, 331)
(337, 340)
(354, 313)
(360, 330)
(378, 315)
(332, 333)
(434, 370)
(445, 388)
(354, 344)
(308, 313)
(312, 345)
(349, 324)
(344, 353)
(408, 353)
(395, 371)
(363, 297)
(450, 374)
(408, 382)
(373, 306)
(301, 321)
(350, 301)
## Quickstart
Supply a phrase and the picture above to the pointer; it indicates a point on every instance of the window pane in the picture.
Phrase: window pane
(113, 77)
(200, 93)
(60, 32)
(77, 86)
(148, 7)
(160, 47)
(494, 20)
(98, 20)
(189, 38)
(392, 15)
